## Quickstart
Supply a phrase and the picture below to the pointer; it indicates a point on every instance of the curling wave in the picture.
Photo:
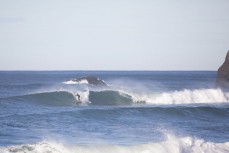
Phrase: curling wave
(170, 145)
(65, 98)
(118, 97)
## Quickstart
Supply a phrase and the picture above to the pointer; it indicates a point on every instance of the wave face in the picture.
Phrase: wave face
(56, 98)
(65, 98)
(171, 145)
(109, 97)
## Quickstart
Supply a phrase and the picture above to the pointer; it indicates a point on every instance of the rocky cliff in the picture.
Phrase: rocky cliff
(223, 74)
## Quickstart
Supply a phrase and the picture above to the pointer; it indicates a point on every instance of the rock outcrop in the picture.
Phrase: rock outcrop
(93, 80)
(223, 74)
(89, 80)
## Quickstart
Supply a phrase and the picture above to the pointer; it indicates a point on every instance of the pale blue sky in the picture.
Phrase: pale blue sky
(113, 35)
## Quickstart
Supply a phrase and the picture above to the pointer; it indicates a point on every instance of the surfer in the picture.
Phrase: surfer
(78, 97)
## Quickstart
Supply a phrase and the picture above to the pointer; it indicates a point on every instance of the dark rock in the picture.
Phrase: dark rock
(91, 80)
(223, 74)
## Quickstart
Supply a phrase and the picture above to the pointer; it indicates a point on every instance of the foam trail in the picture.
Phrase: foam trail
(184, 97)
(171, 145)
(84, 81)
(92, 80)
(84, 96)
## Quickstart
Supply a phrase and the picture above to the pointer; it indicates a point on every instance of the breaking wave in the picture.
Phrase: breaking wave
(92, 80)
(170, 145)
(185, 97)
(83, 81)
(118, 97)
(66, 98)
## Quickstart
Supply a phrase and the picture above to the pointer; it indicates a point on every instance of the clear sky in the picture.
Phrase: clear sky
(113, 34)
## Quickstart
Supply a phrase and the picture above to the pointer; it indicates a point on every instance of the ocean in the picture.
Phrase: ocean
(114, 112)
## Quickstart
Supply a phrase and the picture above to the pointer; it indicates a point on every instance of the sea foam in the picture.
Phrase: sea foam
(171, 145)
(83, 81)
(184, 97)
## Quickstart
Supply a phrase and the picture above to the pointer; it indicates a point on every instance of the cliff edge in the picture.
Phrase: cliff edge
(223, 74)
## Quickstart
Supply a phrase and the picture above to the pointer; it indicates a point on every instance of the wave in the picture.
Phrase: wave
(171, 145)
(118, 97)
(66, 98)
(184, 97)
(198, 96)
(109, 97)
(56, 98)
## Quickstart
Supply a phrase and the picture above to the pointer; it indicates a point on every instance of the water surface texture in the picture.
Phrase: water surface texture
(135, 112)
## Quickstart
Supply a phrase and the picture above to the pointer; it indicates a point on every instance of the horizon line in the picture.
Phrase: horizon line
(106, 70)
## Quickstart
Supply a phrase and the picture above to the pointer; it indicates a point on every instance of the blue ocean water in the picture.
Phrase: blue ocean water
(136, 112)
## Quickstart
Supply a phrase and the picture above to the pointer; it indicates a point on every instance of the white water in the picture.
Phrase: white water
(176, 97)
(83, 81)
(84, 96)
(184, 97)
(170, 145)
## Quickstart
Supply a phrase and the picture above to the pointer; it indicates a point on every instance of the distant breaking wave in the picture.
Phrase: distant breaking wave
(170, 145)
(87, 80)
(76, 82)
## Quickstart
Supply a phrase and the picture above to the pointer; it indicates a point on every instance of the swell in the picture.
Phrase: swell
(56, 98)
(156, 112)
(184, 111)
(22, 85)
